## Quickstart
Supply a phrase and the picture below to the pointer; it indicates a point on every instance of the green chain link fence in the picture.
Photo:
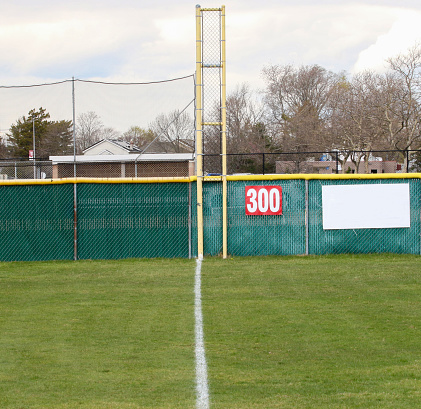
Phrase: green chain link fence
(124, 220)
(299, 230)
(36, 222)
(264, 235)
(390, 240)
(113, 221)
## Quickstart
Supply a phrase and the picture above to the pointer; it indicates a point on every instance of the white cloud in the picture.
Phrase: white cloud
(132, 41)
(176, 31)
(49, 42)
(158, 41)
(403, 34)
(329, 35)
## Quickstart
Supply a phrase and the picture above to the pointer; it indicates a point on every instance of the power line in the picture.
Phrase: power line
(96, 82)
(137, 83)
(34, 85)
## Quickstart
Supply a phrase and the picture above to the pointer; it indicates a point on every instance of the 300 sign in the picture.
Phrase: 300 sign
(263, 200)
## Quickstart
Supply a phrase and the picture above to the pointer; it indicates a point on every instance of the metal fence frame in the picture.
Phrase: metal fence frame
(19, 168)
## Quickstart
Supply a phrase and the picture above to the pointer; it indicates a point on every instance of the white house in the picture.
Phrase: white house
(111, 147)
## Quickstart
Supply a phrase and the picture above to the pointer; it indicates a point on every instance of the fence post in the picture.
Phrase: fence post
(74, 127)
(190, 222)
(75, 221)
(337, 162)
(263, 163)
(306, 218)
(407, 161)
(224, 139)
(199, 139)
(33, 146)
(74, 173)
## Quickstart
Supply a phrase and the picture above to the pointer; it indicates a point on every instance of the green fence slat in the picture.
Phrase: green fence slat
(133, 220)
(36, 222)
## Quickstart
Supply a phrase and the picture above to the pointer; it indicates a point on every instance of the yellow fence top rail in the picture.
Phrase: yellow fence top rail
(298, 176)
(63, 181)
(317, 176)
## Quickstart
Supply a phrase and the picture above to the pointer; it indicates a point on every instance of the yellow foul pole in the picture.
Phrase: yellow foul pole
(224, 138)
(199, 120)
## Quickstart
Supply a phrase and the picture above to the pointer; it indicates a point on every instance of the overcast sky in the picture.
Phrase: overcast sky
(149, 40)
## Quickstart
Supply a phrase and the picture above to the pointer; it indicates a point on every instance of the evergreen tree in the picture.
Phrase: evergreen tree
(51, 137)
(58, 139)
(22, 132)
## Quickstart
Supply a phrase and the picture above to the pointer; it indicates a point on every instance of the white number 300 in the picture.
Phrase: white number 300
(263, 200)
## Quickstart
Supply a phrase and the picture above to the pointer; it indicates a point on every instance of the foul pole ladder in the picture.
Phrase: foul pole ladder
(214, 61)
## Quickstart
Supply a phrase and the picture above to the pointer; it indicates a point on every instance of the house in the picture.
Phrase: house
(114, 159)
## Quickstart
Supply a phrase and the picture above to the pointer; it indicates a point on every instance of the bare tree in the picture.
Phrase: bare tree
(245, 122)
(356, 123)
(138, 136)
(109, 133)
(297, 99)
(402, 105)
(247, 131)
(89, 129)
(174, 132)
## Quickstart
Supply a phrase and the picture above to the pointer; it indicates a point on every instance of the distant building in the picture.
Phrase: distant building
(329, 167)
(115, 159)
(116, 166)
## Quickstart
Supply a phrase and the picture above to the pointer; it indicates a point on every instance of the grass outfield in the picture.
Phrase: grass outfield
(313, 332)
(97, 335)
(280, 332)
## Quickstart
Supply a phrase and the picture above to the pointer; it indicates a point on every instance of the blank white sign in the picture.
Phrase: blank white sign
(366, 206)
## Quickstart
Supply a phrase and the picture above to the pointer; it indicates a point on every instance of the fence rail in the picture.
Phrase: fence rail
(121, 218)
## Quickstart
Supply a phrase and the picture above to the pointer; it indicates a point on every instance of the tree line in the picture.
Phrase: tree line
(312, 109)
(301, 109)
(171, 132)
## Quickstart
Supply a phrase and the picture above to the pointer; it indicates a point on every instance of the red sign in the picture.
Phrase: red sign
(31, 154)
(263, 200)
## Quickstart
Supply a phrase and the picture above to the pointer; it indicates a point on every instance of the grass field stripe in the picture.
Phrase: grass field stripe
(202, 390)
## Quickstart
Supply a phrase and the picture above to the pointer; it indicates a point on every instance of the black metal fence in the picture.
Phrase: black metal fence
(333, 162)
(25, 169)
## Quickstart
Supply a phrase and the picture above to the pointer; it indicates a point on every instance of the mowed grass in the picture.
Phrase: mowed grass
(313, 332)
(280, 332)
(97, 334)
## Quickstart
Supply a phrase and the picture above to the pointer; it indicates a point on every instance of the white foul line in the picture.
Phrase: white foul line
(202, 390)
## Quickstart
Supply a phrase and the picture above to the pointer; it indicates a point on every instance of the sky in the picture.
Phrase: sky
(149, 40)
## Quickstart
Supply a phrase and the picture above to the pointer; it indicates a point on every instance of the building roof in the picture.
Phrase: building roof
(146, 157)
(127, 146)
